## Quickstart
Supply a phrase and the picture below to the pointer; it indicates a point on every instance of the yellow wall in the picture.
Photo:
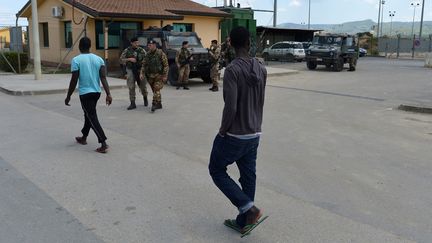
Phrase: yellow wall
(207, 29)
(5, 33)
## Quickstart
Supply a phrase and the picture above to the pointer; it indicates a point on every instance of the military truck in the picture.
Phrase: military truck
(171, 42)
(333, 51)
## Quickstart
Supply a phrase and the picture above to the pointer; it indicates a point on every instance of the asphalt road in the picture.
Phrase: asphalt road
(337, 163)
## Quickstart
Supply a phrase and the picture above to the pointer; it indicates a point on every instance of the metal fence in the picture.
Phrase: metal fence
(398, 46)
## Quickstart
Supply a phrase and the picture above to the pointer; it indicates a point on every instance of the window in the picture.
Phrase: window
(44, 34)
(183, 27)
(277, 46)
(115, 33)
(68, 34)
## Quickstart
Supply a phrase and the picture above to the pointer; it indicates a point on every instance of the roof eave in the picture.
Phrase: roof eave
(197, 13)
(18, 15)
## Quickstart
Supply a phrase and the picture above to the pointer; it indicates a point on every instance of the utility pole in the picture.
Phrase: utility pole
(379, 17)
(36, 46)
(309, 16)
(275, 13)
(421, 21)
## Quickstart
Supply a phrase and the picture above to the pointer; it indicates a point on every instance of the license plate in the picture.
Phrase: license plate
(319, 59)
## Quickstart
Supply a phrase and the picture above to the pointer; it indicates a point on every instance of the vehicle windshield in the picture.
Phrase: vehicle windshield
(298, 46)
(327, 40)
(177, 40)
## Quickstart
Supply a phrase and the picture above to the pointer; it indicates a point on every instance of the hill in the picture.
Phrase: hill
(403, 28)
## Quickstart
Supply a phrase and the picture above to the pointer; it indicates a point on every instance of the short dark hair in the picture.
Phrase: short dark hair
(134, 39)
(240, 37)
(185, 43)
(84, 44)
(214, 41)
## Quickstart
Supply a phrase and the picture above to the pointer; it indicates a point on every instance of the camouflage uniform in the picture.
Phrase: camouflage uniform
(132, 70)
(154, 68)
(182, 60)
(227, 53)
(214, 59)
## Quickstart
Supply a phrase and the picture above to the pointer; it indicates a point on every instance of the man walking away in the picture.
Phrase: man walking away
(238, 138)
(182, 60)
(88, 69)
(132, 57)
(155, 69)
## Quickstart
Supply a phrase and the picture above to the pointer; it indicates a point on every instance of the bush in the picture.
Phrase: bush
(12, 57)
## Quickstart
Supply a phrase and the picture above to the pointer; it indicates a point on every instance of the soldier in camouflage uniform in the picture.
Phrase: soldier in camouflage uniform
(227, 52)
(214, 53)
(182, 60)
(155, 69)
(132, 57)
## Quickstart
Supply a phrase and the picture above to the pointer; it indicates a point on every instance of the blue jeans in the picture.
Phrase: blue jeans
(227, 150)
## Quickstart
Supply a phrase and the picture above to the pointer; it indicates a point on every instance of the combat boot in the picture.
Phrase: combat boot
(145, 101)
(214, 88)
(132, 105)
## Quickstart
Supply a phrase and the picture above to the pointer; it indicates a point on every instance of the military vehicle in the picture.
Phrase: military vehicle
(171, 42)
(333, 51)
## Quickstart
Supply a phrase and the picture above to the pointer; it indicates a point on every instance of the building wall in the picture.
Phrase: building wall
(206, 27)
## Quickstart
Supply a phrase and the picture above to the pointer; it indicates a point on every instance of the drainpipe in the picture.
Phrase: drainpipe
(106, 45)
(16, 38)
(36, 46)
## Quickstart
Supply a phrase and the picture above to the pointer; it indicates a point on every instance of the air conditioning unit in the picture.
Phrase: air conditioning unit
(57, 12)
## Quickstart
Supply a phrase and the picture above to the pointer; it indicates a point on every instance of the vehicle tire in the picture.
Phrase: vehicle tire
(290, 57)
(205, 74)
(266, 57)
(299, 60)
(173, 74)
(311, 65)
(328, 65)
(338, 65)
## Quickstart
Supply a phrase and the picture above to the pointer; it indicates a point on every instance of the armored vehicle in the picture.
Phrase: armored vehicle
(171, 42)
(333, 50)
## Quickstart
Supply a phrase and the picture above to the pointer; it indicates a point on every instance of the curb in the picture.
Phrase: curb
(282, 74)
(416, 108)
(45, 92)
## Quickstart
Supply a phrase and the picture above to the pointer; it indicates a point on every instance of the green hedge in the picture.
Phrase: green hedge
(12, 57)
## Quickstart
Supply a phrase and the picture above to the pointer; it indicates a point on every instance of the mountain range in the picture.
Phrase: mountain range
(402, 28)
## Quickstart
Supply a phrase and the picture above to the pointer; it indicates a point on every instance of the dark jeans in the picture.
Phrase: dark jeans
(88, 104)
(227, 150)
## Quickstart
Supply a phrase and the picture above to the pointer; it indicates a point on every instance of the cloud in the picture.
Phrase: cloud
(295, 3)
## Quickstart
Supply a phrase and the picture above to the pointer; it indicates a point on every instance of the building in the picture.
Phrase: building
(4, 37)
(63, 22)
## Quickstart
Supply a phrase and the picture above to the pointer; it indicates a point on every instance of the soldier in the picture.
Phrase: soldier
(132, 57)
(182, 60)
(155, 69)
(214, 53)
(227, 52)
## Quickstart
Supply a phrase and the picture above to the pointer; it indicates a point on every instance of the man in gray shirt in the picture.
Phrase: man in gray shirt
(238, 138)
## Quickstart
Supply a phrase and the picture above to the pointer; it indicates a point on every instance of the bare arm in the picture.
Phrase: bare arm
(72, 86)
(102, 75)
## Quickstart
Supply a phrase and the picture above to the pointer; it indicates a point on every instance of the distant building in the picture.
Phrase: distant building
(63, 22)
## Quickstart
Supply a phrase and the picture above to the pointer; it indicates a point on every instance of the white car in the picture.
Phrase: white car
(285, 50)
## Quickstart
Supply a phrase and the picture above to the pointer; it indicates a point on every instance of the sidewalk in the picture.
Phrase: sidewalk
(25, 84)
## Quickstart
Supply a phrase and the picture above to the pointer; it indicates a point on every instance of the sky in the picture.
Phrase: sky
(291, 11)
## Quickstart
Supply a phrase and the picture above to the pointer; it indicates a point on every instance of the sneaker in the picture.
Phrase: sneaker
(81, 140)
(102, 149)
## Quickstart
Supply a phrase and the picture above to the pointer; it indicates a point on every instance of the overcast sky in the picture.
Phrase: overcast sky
(293, 11)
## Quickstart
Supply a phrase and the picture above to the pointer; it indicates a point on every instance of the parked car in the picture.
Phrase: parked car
(362, 52)
(285, 50)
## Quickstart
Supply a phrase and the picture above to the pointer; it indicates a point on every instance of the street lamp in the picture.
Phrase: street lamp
(391, 14)
(382, 16)
(415, 5)
(309, 15)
